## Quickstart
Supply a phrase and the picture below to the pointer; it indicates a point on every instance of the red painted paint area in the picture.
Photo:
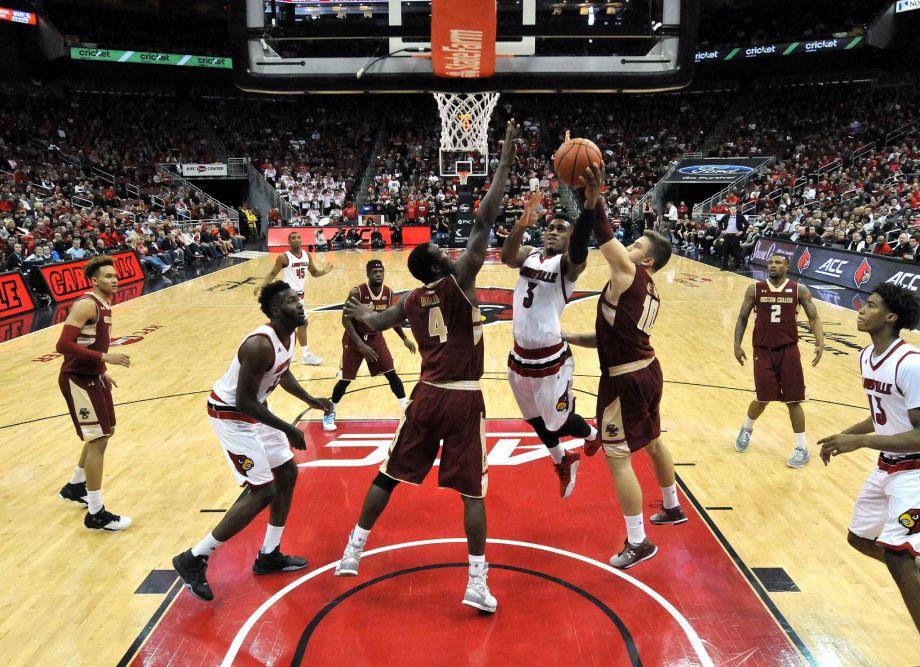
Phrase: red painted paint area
(553, 608)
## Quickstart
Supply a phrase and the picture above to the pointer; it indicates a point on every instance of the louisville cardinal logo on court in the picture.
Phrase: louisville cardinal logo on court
(495, 303)
(911, 521)
(804, 260)
(242, 463)
(863, 273)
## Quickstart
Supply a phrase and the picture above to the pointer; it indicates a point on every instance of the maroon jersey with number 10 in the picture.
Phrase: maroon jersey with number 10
(624, 325)
(448, 330)
(775, 309)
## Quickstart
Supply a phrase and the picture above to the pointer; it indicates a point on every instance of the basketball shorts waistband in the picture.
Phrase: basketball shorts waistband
(893, 464)
(631, 367)
(459, 385)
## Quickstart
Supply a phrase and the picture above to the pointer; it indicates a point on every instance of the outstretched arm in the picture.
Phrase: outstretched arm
(467, 267)
(280, 263)
(314, 271)
(387, 319)
(746, 307)
(808, 305)
(621, 267)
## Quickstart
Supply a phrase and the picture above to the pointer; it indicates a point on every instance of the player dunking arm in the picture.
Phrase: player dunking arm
(87, 388)
(886, 520)
(540, 365)
(777, 364)
(629, 394)
(256, 442)
(361, 343)
(447, 402)
(295, 262)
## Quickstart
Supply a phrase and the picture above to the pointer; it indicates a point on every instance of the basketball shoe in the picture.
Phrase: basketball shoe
(566, 471)
(105, 520)
(348, 566)
(743, 441)
(672, 515)
(799, 458)
(633, 554)
(477, 593)
(329, 422)
(192, 570)
(75, 493)
(592, 445)
(275, 561)
(310, 359)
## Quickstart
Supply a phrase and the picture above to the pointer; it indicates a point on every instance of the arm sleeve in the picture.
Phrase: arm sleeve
(603, 232)
(578, 244)
(67, 344)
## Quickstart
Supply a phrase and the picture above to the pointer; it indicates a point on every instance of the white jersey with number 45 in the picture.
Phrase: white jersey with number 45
(296, 270)
(539, 298)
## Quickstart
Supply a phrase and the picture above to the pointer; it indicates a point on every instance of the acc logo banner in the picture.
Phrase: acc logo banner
(15, 297)
(66, 281)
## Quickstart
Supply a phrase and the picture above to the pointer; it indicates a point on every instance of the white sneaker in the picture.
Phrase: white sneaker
(799, 458)
(348, 566)
(310, 359)
(477, 593)
(743, 441)
(329, 422)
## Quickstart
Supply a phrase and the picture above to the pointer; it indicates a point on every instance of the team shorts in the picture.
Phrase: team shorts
(434, 414)
(549, 397)
(352, 358)
(888, 510)
(251, 447)
(628, 409)
(778, 374)
(89, 399)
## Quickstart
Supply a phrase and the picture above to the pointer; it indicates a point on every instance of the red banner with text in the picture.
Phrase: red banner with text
(65, 280)
(463, 38)
(15, 297)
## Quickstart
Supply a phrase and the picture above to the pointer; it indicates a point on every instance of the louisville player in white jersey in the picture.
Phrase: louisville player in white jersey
(540, 365)
(256, 442)
(293, 264)
(886, 520)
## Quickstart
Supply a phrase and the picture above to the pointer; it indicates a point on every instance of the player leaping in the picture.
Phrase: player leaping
(540, 365)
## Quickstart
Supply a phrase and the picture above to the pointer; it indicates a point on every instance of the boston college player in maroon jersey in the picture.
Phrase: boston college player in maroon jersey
(87, 388)
(777, 365)
(631, 383)
(447, 402)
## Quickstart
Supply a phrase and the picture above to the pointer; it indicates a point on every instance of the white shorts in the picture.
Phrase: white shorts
(549, 397)
(888, 510)
(252, 450)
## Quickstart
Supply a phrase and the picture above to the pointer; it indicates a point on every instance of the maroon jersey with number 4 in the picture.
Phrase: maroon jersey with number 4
(448, 330)
(93, 336)
(625, 324)
(774, 310)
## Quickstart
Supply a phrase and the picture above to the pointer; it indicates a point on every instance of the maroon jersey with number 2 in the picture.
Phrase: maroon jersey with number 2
(778, 372)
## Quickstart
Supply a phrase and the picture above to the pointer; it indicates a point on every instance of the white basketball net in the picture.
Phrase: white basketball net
(465, 120)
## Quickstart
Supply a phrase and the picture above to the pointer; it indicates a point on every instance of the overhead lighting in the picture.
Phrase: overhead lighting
(591, 15)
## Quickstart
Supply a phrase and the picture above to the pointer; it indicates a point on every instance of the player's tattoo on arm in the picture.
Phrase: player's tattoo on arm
(746, 307)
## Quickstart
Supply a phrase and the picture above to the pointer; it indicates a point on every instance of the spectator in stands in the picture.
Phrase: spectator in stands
(167, 244)
(913, 255)
(880, 246)
(377, 242)
(501, 233)
(14, 260)
(706, 237)
(902, 247)
(37, 258)
(154, 265)
(338, 240)
(321, 243)
(352, 238)
(670, 220)
(442, 237)
(76, 251)
(396, 238)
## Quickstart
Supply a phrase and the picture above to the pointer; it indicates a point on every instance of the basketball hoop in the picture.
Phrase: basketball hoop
(464, 127)
(463, 175)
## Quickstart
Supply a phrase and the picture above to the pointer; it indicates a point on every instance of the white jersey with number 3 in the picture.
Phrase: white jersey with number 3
(540, 296)
(296, 270)
(891, 380)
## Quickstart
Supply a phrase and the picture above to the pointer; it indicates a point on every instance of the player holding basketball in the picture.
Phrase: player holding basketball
(87, 388)
(886, 520)
(777, 365)
(361, 343)
(540, 365)
(447, 402)
(631, 383)
(295, 263)
(256, 442)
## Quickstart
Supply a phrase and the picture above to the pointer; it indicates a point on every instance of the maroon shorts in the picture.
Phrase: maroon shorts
(434, 414)
(778, 374)
(627, 409)
(89, 399)
(352, 358)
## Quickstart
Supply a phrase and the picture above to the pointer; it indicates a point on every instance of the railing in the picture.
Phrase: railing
(167, 170)
(863, 151)
(636, 212)
(830, 167)
(693, 156)
(704, 206)
(81, 202)
(102, 175)
(257, 182)
(132, 192)
(237, 167)
(899, 132)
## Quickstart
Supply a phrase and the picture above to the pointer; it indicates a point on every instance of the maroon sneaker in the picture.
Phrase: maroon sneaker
(673, 516)
(592, 445)
(566, 471)
(633, 555)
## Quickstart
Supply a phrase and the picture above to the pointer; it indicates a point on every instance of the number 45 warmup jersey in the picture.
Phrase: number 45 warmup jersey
(296, 270)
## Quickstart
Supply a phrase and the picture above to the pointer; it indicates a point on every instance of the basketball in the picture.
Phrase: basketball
(573, 157)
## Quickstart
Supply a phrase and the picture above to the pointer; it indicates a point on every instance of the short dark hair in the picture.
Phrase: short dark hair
(660, 250)
(292, 234)
(420, 262)
(92, 266)
(902, 302)
(268, 294)
(562, 215)
(781, 256)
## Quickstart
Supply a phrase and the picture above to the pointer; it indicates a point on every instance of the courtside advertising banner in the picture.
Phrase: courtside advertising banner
(15, 297)
(149, 58)
(715, 170)
(463, 224)
(197, 169)
(65, 280)
(463, 38)
(854, 270)
(780, 49)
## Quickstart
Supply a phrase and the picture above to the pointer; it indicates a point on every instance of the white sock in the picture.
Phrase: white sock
(334, 406)
(593, 433)
(79, 475)
(558, 453)
(800, 441)
(272, 538)
(477, 565)
(403, 402)
(669, 497)
(748, 424)
(206, 547)
(359, 535)
(635, 531)
(94, 500)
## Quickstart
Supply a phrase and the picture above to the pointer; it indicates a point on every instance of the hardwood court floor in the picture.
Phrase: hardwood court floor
(69, 595)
